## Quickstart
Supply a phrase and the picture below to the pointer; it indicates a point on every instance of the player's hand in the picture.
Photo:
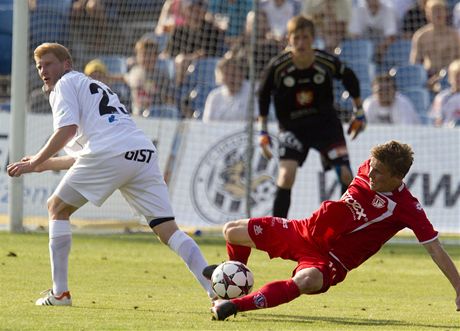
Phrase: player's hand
(357, 123)
(24, 166)
(265, 143)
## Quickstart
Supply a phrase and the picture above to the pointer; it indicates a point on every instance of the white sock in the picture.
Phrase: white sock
(189, 251)
(60, 240)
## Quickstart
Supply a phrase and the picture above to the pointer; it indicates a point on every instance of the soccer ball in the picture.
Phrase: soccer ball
(232, 279)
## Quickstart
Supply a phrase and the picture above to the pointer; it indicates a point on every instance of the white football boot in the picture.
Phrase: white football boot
(49, 299)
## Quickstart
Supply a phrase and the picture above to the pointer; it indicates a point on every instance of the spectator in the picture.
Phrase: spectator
(446, 105)
(172, 16)
(376, 21)
(386, 105)
(456, 17)
(331, 18)
(97, 70)
(266, 46)
(436, 44)
(414, 19)
(279, 12)
(198, 37)
(229, 102)
(150, 85)
(230, 15)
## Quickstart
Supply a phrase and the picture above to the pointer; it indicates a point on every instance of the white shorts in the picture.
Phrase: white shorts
(140, 182)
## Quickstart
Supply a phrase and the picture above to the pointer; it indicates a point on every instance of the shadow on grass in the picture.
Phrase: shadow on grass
(342, 321)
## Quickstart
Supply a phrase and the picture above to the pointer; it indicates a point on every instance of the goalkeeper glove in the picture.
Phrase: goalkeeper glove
(357, 123)
(265, 143)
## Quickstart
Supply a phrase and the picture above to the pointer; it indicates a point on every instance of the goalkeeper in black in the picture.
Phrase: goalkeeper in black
(300, 81)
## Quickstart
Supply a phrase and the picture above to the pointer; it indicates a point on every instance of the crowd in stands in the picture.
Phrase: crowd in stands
(162, 57)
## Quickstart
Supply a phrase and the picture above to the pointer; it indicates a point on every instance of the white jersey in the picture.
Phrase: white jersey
(105, 128)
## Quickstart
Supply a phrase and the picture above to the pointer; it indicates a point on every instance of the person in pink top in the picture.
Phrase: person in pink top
(338, 237)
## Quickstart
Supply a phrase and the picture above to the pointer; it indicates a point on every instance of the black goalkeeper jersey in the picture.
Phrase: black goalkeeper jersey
(304, 96)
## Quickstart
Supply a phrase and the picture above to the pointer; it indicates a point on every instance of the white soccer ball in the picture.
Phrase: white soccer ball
(232, 279)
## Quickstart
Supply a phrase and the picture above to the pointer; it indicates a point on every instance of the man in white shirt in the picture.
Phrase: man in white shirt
(106, 152)
(229, 102)
(445, 109)
(376, 21)
(386, 105)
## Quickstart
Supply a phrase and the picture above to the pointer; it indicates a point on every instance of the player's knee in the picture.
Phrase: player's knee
(232, 230)
(308, 280)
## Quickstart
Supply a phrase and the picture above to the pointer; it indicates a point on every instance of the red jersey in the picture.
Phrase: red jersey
(354, 228)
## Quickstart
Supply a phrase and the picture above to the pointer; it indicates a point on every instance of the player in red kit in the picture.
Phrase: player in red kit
(338, 237)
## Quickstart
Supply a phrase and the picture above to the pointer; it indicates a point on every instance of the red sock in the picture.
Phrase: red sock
(238, 253)
(269, 295)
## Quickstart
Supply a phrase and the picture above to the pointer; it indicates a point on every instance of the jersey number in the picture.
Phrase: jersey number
(104, 107)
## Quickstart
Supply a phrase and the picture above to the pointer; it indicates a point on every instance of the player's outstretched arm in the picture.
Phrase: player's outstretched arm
(447, 266)
(57, 141)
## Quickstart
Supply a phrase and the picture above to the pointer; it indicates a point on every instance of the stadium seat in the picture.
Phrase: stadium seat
(420, 97)
(6, 19)
(199, 81)
(355, 50)
(49, 25)
(397, 54)
(6, 40)
(409, 76)
(168, 66)
(364, 71)
(116, 64)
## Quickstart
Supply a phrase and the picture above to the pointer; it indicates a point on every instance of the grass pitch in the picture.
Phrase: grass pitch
(133, 282)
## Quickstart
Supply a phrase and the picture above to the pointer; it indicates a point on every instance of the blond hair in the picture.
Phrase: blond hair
(398, 157)
(58, 50)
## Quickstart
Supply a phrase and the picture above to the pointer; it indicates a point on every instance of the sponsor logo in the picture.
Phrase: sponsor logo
(259, 300)
(219, 182)
(378, 202)
(355, 207)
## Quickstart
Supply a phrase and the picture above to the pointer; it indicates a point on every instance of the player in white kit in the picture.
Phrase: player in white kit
(105, 152)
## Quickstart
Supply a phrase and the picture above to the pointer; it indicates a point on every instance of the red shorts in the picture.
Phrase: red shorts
(279, 238)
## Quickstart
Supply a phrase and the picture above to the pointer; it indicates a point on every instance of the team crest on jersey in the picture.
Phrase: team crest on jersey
(304, 98)
(218, 187)
(318, 78)
(378, 202)
(289, 81)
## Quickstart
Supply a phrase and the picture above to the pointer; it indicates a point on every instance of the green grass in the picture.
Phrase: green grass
(132, 282)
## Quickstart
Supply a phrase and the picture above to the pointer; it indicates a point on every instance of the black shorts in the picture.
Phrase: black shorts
(328, 139)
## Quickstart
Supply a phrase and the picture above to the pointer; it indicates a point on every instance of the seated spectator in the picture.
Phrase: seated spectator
(266, 46)
(414, 19)
(445, 109)
(456, 17)
(97, 70)
(436, 44)
(386, 105)
(229, 102)
(230, 15)
(198, 37)
(278, 12)
(331, 19)
(171, 16)
(150, 85)
(376, 21)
